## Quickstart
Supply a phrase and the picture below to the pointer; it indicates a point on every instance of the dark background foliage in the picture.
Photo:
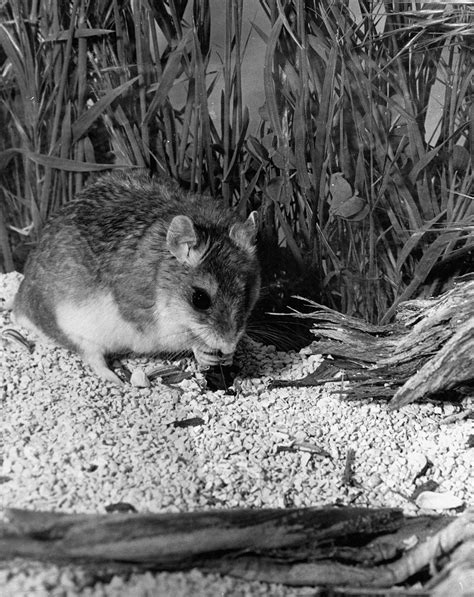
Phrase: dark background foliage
(362, 203)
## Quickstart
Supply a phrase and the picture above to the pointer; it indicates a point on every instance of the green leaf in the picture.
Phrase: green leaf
(83, 32)
(415, 239)
(5, 157)
(431, 256)
(50, 161)
(257, 149)
(168, 77)
(268, 81)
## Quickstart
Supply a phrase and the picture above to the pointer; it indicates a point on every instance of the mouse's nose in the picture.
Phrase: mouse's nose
(225, 348)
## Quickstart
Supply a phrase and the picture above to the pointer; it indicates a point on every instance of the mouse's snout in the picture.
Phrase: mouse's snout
(208, 357)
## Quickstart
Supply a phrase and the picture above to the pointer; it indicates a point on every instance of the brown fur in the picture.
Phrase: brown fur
(116, 271)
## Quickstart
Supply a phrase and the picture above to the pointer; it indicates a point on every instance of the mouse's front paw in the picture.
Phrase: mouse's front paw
(207, 357)
(98, 364)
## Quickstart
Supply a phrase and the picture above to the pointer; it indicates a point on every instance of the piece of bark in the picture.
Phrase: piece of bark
(427, 352)
(452, 365)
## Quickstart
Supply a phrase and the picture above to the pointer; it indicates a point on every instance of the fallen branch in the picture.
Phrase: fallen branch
(307, 546)
(168, 538)
(427, 352)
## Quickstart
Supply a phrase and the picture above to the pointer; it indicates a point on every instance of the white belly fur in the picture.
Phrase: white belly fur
(96, 325)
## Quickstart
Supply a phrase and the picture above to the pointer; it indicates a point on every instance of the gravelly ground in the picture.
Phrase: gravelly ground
(76, 444)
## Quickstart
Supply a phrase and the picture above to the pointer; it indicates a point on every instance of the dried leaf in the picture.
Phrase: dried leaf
(14, 336)
(340, 190)
(343, 203)
(284, 158)
(354, 208)
(460, 158)
(257, 149)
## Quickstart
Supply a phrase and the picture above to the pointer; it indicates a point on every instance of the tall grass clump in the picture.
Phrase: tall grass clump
(91, 86)
(46, 146)
(370, 196)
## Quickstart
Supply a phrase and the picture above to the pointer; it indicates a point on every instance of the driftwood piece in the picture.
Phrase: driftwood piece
(173, 538)
(428, 351)
(353, 547)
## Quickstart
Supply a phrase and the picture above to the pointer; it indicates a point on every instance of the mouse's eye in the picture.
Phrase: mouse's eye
(201, 299)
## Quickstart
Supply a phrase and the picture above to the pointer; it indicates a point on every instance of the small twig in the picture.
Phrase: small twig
(308, 447)
(348, 474)
(465, 414)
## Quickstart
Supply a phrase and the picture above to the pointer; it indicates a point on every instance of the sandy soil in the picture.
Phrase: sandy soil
(75, 444)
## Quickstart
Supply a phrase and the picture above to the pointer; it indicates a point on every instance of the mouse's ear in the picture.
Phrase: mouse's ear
(182, 241)
(244, 234)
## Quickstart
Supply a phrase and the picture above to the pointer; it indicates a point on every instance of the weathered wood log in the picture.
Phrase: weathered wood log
(168, 538)
(428, 351)
(355, 547)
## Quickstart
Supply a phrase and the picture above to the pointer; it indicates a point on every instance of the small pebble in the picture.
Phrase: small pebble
(139, 379)
(373, 481)
(431, 500)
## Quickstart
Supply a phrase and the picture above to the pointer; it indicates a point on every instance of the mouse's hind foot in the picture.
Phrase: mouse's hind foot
(23, 321)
